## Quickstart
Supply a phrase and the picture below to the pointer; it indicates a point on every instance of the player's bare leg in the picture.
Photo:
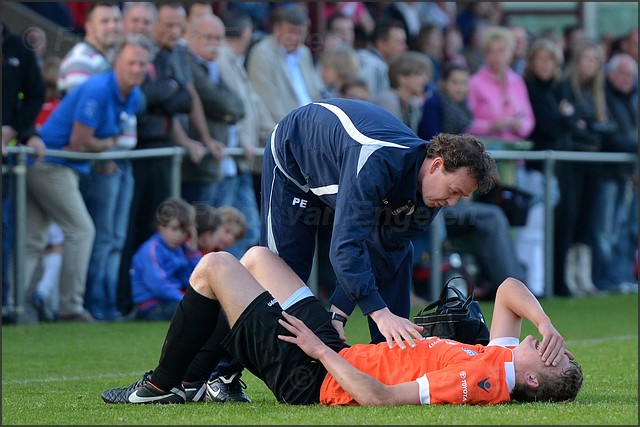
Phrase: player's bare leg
(272, 272)
(220, 276)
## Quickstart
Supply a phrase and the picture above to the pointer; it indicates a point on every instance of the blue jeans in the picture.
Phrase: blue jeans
(195, 192)
(609, 229)
(627, 246)
(237, 191)
(108, 199)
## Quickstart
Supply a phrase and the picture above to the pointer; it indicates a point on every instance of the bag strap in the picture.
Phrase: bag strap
(468, 300)
(429, 307)
(444, 299)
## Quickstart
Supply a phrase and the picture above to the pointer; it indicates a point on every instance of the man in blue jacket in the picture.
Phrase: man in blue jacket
(385, 186)
(91, 118)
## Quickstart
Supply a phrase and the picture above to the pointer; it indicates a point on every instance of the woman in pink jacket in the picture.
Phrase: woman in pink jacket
(498, 97)
(501, 109)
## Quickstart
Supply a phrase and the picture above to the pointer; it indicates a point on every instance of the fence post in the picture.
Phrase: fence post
(20, 210)
(436, 256)
(176, 173)
(549, 223)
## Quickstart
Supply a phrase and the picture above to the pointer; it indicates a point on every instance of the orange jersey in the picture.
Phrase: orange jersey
(448, 372)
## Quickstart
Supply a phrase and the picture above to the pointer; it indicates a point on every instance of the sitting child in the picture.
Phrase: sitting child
(218, 228)
(162, 265)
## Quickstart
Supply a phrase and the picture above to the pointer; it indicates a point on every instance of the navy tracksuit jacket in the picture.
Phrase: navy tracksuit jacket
(358, 159)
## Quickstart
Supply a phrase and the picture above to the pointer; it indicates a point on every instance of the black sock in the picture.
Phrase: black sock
(207, 359)
(192, 325)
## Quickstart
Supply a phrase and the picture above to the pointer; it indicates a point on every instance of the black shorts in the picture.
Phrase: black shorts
(291, 375)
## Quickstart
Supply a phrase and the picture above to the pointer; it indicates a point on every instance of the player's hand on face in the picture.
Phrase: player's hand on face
(552, 348)
(397, 329)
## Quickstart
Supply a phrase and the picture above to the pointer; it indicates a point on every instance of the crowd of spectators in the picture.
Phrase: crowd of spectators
(225, 78)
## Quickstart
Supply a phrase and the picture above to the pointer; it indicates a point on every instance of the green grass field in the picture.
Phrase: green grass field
(53, 374)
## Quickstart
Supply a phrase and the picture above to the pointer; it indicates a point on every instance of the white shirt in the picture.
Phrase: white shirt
(292, 62)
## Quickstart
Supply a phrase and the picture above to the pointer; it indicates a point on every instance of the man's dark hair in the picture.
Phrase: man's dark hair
(235, 22)
(552, 387)
(293, 14)
(451, 68)
(567, 30)
(384, 27)
(464, 150)
(93, 6)
(171, 4)
(188, 4)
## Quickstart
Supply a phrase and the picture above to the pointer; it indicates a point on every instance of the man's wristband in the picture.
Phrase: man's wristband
(338, 317)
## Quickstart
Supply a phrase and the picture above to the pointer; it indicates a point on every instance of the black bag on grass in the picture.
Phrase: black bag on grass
(454, 316)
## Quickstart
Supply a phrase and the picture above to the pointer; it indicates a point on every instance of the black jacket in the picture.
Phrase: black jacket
(222, 107)
(552, 130)
(587, 133)
(22, 89)
(165, 96)
(22, 85)
(623, 111)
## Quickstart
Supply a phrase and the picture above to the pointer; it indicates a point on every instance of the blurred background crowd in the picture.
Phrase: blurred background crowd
(222, 74)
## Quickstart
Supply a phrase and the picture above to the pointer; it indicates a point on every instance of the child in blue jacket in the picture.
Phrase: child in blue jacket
(161, 267)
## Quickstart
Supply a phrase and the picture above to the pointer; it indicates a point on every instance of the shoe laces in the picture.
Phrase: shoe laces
(234, 383)
(241, 384)
(142, 381)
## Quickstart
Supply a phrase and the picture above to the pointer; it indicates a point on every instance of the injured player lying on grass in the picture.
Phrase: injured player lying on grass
(283, 335)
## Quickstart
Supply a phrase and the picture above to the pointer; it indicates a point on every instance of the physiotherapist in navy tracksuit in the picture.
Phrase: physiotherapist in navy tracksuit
(385, 185)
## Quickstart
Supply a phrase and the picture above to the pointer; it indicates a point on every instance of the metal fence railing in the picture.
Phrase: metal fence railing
(19, 169)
